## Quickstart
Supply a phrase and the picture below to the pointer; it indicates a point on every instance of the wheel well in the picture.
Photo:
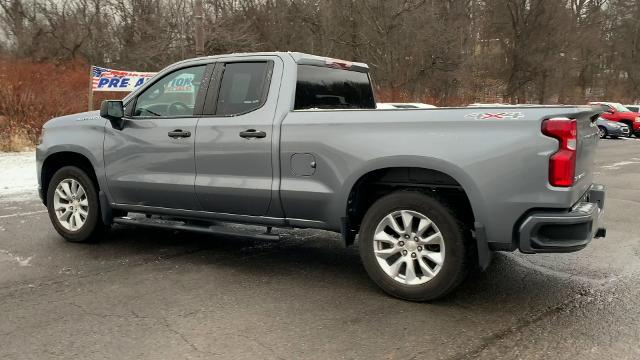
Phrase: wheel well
(59, 160)
(378, 183)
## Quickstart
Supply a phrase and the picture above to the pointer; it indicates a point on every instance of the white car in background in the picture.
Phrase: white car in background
(404, 106)
(502, 105)
(487, 105)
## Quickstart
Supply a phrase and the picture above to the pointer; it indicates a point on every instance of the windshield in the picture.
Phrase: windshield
(620, 107)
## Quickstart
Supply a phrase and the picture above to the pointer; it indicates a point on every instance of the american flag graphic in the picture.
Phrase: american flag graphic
(97, 72)
(100, 73)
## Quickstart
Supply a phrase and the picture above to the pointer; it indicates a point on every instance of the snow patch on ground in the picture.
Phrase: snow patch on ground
(18, 179)
(620, 164)
(22, 261)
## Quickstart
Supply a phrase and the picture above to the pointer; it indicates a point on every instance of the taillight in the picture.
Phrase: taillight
(562, 164)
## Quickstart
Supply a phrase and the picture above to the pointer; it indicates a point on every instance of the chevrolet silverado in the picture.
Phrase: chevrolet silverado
(291, 140)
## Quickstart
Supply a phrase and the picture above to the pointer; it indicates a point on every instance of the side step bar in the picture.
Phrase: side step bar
(179, 225)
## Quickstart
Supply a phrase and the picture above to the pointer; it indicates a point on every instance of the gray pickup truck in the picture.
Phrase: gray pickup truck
(290, 140)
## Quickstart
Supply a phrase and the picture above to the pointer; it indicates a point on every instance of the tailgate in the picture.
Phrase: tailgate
(587, 144)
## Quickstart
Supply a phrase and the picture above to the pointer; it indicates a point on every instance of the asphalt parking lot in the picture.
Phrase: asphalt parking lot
(165, 295)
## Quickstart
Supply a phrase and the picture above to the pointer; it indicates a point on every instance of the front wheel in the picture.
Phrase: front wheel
(413, 247)
(72, 203)
(602, 132)
(630, 126)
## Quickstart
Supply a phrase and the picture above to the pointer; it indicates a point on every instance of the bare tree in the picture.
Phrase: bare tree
(445, 51)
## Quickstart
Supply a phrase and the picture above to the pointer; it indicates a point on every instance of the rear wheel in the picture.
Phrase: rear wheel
(72, 203)
(413, 247)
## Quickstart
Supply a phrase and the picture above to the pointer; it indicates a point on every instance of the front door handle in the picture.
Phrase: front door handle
(252, 133)
(179, 133)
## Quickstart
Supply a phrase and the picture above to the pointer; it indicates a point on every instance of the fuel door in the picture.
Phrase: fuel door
(303, 164)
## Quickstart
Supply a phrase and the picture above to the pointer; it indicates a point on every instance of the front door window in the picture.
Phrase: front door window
(172, 96)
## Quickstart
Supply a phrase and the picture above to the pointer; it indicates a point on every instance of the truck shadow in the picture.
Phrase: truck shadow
(308, 259)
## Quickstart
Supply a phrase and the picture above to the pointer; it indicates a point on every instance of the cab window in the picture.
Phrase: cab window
(330, 88)
(243, 88)
(172, 96)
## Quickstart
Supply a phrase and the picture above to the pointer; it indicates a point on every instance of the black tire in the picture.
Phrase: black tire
(93, 227)
(602, 132)
(455, 237)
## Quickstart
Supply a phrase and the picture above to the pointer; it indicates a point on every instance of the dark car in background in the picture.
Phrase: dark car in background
(611, 129)
(619, 113)
(634, 108)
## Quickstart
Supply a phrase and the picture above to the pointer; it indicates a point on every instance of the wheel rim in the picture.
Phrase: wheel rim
(602, 132)
(71, 204)
(409, 247)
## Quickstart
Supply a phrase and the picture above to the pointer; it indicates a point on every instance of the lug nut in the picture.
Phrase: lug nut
(400, 243)
(413, 255)
(404, 252)
(406, 236)
(415, 238)
(419, 248)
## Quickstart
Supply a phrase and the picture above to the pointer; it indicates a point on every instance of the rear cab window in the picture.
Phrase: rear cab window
(320, 87)
(243, 88)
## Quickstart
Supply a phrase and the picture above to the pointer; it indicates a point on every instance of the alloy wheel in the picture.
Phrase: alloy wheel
(71, 204)
(409, 247)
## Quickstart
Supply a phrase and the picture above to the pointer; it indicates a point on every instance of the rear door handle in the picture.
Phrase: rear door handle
(252, 133)
(179, 133)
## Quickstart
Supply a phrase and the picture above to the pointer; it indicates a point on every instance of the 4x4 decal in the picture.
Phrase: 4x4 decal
(499, 116)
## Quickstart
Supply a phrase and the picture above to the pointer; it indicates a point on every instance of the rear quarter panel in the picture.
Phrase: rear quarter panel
(502, 164)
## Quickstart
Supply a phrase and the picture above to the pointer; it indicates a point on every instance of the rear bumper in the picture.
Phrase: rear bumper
(550, 231)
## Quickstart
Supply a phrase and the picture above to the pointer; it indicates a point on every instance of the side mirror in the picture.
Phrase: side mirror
(113, 110)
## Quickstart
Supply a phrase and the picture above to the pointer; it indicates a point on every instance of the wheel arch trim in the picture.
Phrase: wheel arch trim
(75, 152)
(456, 173)
(474, 195)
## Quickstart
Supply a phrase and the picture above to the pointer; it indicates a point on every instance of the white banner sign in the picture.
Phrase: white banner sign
(104, 79)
